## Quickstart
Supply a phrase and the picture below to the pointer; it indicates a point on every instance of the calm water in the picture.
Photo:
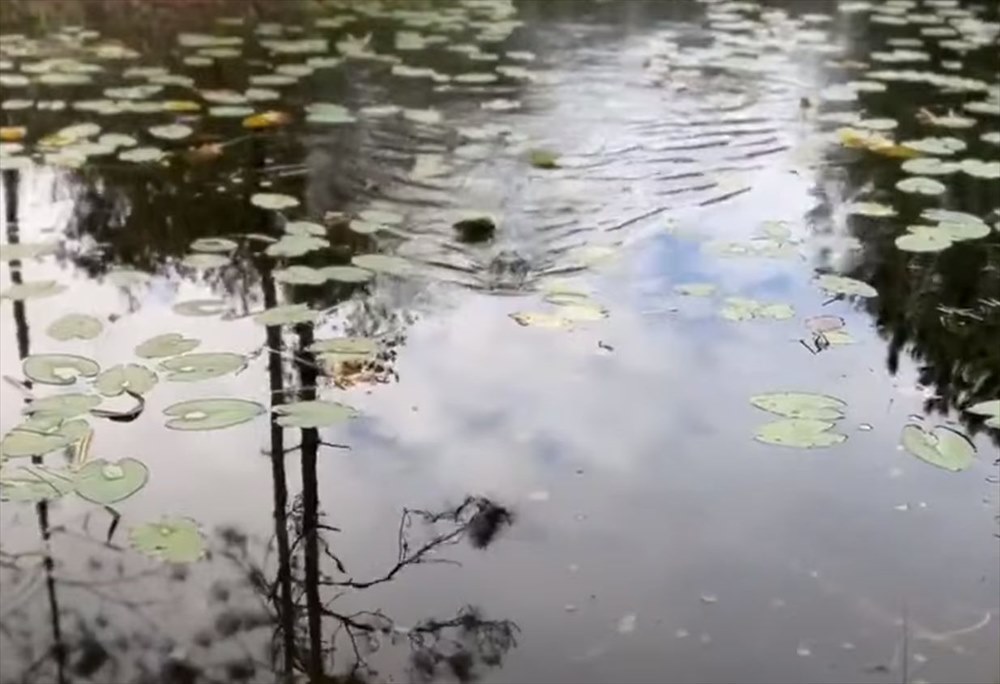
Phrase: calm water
(625, 525)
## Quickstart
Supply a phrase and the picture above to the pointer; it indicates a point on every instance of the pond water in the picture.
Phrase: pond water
(503, 302)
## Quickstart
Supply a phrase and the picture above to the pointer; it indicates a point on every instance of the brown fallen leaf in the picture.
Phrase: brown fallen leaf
(12, 133)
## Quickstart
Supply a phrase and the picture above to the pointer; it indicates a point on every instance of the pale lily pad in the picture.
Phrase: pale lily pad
(990, 409)
(168, 344)
(949, 216)
(74, 327)
(940, 146)
(874, 209)
(992, 137)
(128, 277)
(300, 275)
(364, 227)
(200, 307)
(132, 377)
(312, 414)
(213, 244)
(919, 185)
(347, 274)
(142, 155)
(33, 289)
(296, 245)
(63, 406)
(929, 166)
(201, 260)
(423, 116)
(171, 540)
(384, 263)
(171, 131)
(273, 201)
(346, 348)
(105, 482)
(36, 483)
(543, 159)
(22, 251)
(230, 111)
(201, 366)
(799, 433)
(955, 231)
(41, 434)
(58, 369)
(287, 314)
(923, 241)
(741, 309)
(942, 447)
(211, 414)
(328, 113)
(800, 405)
(978, 168)
(695, 289)
(843, 285)
(307, 228)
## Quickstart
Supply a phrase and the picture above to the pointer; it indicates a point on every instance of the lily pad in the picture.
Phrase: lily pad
(131, 376)
(214, 245)
(168, 344)
(942, 447)
(142, 155)
(171, 131)
(58, 369)
(924, 241)
(273, 201)
(205, 261)
(874, 209)
(990, 409)
(799, 433)
(33, 289)
(287, 314)
(296, 245)
(328, 113)
(347, 274)
(939, 146)
(929, 166)
(36, 483)
(200, 307)
(843, 285)
(63, 406)
(800, 405)
(41, 434)
(305, 228)
(211, 414)
(385, 264)
(128, 277)
(105, 482)
(201, 366)
(919, 185)
(312, 414)
(74, 327)
(543, 159)
(176, 540)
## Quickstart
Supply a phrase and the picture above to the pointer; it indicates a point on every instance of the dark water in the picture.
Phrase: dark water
(584, 502)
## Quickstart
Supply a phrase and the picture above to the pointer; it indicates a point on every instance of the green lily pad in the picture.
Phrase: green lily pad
(36, 483)
(211, 414)
(201, 260)
(214, 245)
(695, 289)
(741, 309)
(287, 314)
(133, 377)
(39, 435)
(300, 275)
(230, 111)
(328, 113)
(942, 447)
(33, 289)
(312, 414)
(874, 209)
(924, 241)
(176, 540)
(74, 327)
(990, 409)
(428, 117)
(58, 369)
(940, 146)
(308, 228)
(22, 251)
(919, 185)
(956, 231)
(142, 155)
(978, 168)
(365, 227)
(799, 433)
(843, 285)
(201, 366)
(543, 159)
(200, 307)
(800, 405)
(104, 482)
(273, 201)
(168, 344)
(949, 216)
(171, 131)
(929, 166)
(296, 245)
(347, 274)
(385, 264)
(63, 406)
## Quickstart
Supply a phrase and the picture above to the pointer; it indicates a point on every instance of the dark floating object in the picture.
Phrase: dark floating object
(477, 229)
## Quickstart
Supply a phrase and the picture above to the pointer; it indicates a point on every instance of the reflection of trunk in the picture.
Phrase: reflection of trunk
(10, 188)
(310, 504)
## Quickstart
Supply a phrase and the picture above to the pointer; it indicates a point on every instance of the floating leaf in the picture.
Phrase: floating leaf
(22, 251)
(142, 155)
(312, 414)
(928, 240)
(200, 307)
(799, 433)
(543, 159)
(211, 414)
(307, 228)
(940, 146)
(920, 185)
(845, 286)
(63, 406)
(127, 277)
(273, 201)
(58, 369)
(287, 314)
(296, 245)
(168, 344)
(36, 483)
(942, 447)
(204, 261)
(171, 540)
(328, 113)
(171, 131)
(800, 405)
(347, 274)
(300, 275)
(41, 434)
(133, 377)
(423, 116)
(990, 409)
(33, 289)
(929, 166)
(214, 245)
(384, 263)
(741, 309)
(104, 482)
(74, 327)
(978, 168)
(201, 366)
